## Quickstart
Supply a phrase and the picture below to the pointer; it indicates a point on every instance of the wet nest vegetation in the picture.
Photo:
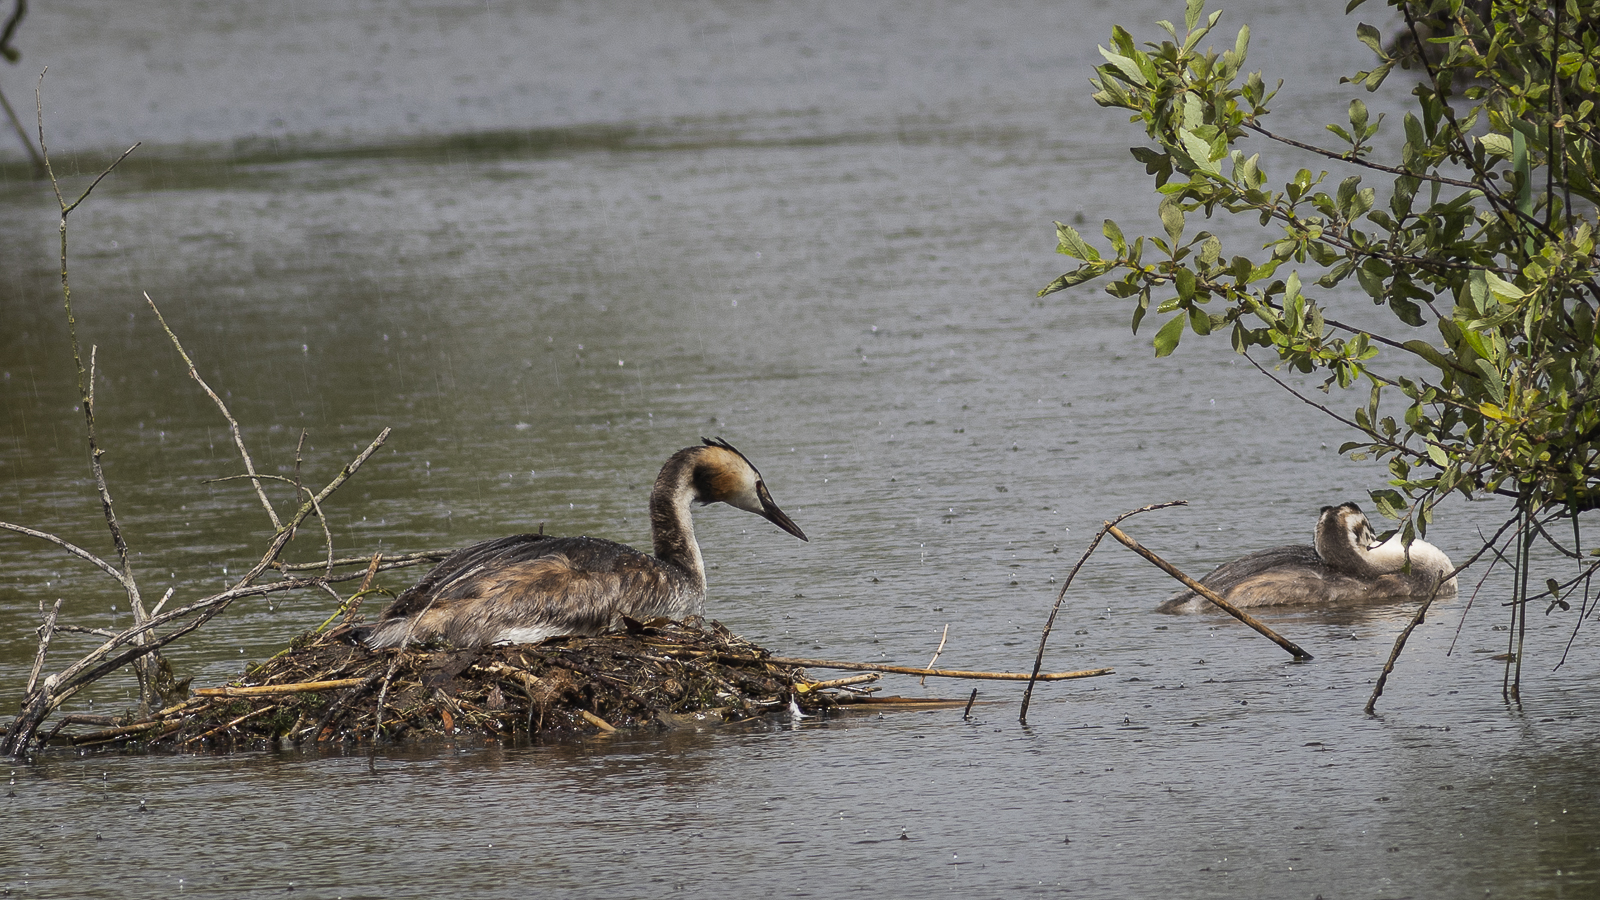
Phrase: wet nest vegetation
(324, 689)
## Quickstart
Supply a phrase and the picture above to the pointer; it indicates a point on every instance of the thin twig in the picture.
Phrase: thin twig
(394, 561)
(1049, 623)
(233, 424)
(46, 631)
(938, 650)
(22, 133)
(1421, 613)
(68, 546)
(163, 602)
(224, 727)
(1356, 161)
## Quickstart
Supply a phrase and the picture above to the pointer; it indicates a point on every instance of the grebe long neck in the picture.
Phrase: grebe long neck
(671, 526)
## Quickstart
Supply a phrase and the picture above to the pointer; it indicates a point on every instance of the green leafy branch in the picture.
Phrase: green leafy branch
(1488, 270)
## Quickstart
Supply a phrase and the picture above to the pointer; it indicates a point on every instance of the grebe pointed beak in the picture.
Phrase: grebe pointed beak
(776, 516)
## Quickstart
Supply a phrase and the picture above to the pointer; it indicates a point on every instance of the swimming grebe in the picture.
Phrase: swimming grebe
(1346, 565)
(529, 587)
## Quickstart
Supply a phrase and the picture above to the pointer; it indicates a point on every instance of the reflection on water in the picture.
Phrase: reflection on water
(549, 247)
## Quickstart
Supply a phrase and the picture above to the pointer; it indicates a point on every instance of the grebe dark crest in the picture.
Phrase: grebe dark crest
(529, 587)
(1346, 565)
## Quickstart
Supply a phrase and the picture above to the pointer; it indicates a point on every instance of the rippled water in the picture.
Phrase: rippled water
(549, 246)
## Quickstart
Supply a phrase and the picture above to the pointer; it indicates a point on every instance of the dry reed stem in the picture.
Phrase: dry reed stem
(221, 728)
(866, 678)
(267, 689)
(878, 667)
(596, 721)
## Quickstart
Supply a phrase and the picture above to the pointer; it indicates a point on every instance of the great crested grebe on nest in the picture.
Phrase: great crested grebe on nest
(527, 588)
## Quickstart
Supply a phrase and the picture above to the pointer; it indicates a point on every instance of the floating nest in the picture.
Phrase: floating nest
(324, 689)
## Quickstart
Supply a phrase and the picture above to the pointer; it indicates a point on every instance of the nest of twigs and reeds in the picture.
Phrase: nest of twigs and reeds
(325, 689)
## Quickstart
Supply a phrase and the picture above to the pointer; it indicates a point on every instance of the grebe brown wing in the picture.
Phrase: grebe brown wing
(463, 563)
(527, 588)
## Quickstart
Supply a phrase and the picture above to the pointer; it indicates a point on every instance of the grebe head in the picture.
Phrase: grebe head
(1343, 531)
(722, 473)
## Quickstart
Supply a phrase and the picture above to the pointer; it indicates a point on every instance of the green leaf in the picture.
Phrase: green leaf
(1502, 289)
(1390, 503)
(1519, 161)
(1199, 151)
(1370, 36)
(1070, 244)
(1430, 353)
(1478, 291)
(1167, 338)
(1114, 235)
(1184, 280)
(1086, 272)
(1406, 311)
(1496, 145)
(1191, 13)
(1171, 211)
(1128, 68)
(1491, 381)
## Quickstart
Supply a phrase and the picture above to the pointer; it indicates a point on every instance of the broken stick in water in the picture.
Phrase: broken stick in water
(1209, 594)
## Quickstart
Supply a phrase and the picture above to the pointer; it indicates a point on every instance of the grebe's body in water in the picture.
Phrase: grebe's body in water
(1346, 566)
(530, 587)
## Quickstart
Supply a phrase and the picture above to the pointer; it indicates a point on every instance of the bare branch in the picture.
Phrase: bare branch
(1422, 611)
(85, 195)
(68, 546)
(233, 424)
(46, 631)
(1049, 623)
